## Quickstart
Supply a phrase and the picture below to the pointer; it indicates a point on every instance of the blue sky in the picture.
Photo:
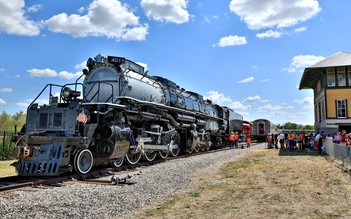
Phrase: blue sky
(245, 54)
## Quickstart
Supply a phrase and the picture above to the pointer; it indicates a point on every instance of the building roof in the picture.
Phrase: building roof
(313, 74)
(338, 59)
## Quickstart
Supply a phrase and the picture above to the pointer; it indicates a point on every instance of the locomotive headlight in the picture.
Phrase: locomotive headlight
(66, 92)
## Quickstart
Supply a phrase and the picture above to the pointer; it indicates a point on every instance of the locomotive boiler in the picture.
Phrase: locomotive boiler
(117, 114)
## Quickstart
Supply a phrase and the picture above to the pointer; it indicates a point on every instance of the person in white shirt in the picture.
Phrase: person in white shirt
(281, 138)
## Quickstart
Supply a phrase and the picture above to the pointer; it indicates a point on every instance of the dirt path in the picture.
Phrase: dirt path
(264, 184)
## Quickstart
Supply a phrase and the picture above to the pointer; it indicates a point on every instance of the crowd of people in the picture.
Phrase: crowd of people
(299, 141)
(296, 140)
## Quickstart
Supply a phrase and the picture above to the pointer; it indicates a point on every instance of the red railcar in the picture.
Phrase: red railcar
(247, 128)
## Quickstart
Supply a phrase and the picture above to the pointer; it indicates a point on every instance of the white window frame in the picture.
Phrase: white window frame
(349, 75)
(341, 108)
(330, 77)
(341, 77)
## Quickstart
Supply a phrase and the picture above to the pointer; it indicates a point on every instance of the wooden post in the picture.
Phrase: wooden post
(3, 146)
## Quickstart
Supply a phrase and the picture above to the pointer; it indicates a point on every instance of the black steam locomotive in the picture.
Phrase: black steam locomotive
(119, 113)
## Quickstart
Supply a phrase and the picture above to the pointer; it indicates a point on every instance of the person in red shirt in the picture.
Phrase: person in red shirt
(231, 139)
(248, 142)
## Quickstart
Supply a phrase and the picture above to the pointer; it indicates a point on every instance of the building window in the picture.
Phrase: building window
(341, 108)
(341, 76)
(349, 75)
(331, 77)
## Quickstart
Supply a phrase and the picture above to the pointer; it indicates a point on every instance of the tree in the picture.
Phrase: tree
(19, 119)
(290, 125)
(5, 122)
(8, 122)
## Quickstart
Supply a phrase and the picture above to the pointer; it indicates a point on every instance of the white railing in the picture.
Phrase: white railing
(339, 153)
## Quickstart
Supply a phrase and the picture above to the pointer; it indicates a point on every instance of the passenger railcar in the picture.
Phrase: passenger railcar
(262, 128)
(117, 114)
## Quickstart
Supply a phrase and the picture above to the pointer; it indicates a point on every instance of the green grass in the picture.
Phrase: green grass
(6, 169)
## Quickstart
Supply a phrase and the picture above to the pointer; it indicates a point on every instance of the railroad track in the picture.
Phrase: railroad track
(119, 175)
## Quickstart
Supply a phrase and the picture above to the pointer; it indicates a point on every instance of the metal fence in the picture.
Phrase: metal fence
(6, 146)
(339, 153)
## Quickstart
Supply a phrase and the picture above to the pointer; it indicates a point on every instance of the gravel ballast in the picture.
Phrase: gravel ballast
(84, 200)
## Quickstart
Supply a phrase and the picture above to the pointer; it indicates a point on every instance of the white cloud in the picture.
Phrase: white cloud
(34, 8)
(231, 41)
(81, 10)
(290, 69)
(307, 100)
(81, 66)
(268, 34)
(264, 80)
(246, 80)
(49, 73)
(258, 14)
(300, 29)
(2, 102)
(252, 99)
(39, 101)
(173, 11)
(68, 76)
(107, 18)
(217, 97)
(244, 113)
(15, 21)
(269, 108)
(6, 90)
(21, 104)
(302, 113)
(2, 69)
(307, 107)
(238, 106)
(302, 61)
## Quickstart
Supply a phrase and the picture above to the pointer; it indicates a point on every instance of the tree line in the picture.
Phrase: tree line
(294, 126)
(12, 123)
(8, 125)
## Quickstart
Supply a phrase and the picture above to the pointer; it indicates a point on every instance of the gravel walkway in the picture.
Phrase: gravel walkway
(83, 200)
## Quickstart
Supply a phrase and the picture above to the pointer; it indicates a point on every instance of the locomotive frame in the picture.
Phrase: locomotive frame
(118, 114)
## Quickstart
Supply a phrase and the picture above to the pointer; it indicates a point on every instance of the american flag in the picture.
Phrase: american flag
(82, 117)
